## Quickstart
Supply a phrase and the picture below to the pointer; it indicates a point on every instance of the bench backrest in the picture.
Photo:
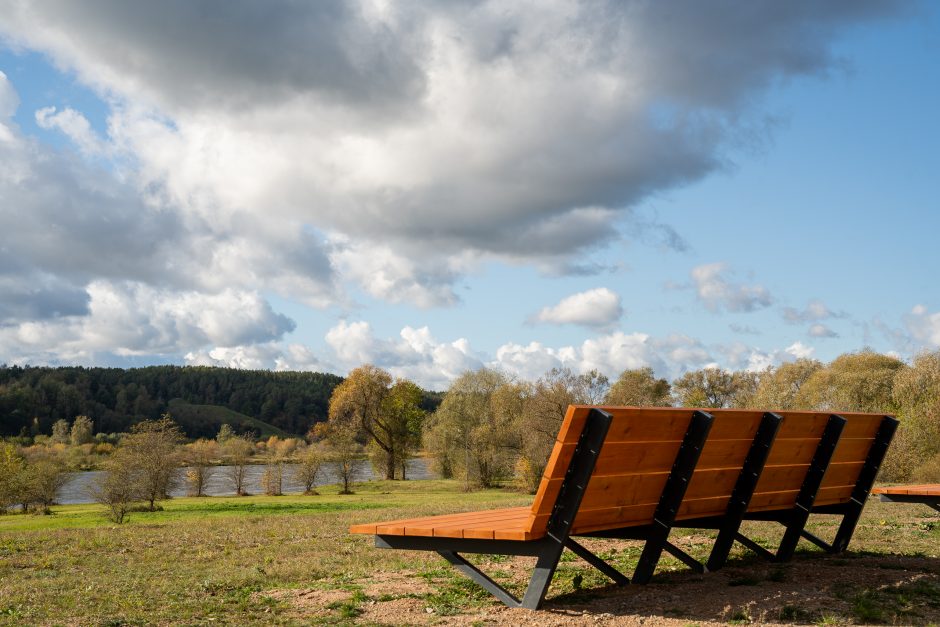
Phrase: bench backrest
(641, 446)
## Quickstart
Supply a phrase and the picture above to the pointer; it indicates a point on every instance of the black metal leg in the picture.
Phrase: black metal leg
(810, 487)
(743, 539)
(684, 557)
(541, 577)
(671, 498)
(598, 563)
(744, 489)
(480, 578)
(866, 479)
(825, 546)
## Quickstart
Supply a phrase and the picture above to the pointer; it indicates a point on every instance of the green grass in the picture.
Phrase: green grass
(239, 560)
(188, 415)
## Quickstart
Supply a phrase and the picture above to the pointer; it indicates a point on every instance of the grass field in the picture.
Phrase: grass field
(289, 560)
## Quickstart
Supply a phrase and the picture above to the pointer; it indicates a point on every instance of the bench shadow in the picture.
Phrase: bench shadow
(859, 587)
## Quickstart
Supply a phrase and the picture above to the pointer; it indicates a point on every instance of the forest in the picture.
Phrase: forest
(32, 399)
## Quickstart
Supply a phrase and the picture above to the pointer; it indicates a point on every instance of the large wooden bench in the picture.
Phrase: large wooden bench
(636, 473)
(927, 493)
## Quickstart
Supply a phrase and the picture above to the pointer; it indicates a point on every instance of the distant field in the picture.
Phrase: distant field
(190, 416)
(289, 560)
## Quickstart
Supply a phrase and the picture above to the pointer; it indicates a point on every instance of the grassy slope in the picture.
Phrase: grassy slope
(231, 560)
(186, 413)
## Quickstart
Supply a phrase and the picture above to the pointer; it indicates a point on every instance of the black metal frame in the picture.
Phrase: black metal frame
(795, 519)
(548, 550)
(924, 499)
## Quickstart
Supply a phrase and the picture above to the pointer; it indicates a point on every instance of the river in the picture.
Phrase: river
(77, 489)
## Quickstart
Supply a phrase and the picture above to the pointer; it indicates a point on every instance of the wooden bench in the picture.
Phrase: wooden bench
(928, 494)
(636, 473)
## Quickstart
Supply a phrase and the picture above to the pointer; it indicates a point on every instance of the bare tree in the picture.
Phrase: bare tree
(344, 451)
(119, 485)
(153, 447)
(237, 451)
(200, 455)
(309, 466)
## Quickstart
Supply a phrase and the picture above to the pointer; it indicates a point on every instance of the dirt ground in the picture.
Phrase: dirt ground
(870, 585)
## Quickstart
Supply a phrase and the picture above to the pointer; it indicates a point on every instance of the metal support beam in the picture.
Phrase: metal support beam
(480, 578)
(866, 479)
(744, 489)
(685, 558)
(671, 497)
(810, 488)
(572, 490)
(743, 539)
(619, 578)
(825, 546)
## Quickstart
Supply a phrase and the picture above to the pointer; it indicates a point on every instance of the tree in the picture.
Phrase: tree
(119, 485)
(225, 433)
(405, 419)
(237, 451)
(479, 441)
(344, 451)
(82, 431)
(309, 466)
(639, 387)
(60, 432)
(915, 452)
(39, 480)
(11, 469)
(199, 456)
(152, 446)
(861, 381)
(780, 388)
(360, 400)
(709, 387)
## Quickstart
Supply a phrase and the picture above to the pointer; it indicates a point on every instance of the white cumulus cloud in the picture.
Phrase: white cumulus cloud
(598, 307)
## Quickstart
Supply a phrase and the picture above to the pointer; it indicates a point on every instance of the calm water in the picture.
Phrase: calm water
(218, 484)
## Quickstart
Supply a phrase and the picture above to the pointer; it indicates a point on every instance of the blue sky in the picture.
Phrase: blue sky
(731, 190)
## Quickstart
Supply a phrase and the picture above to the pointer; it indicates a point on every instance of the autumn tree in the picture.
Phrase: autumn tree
(60, 431)
(199, 456)
(716, 388)
(915, 452)
(344, 450)
(11, 474)
(639, 387)
(386, 414)
(237, 452)
(309, 467)
(82, 431)
(862, 381)
(152, 446)
(479, 441)
(780, 387)
(41, 480)
(119, 485)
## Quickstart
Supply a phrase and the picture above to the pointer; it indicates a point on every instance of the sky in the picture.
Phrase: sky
(435, 187)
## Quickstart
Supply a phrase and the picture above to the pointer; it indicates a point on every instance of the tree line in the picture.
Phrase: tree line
(491, 428)
(32, 399)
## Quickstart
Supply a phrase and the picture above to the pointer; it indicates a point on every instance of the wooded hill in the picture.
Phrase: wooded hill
(199, 398)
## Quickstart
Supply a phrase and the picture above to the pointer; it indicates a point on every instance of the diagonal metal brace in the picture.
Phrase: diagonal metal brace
(619, 578)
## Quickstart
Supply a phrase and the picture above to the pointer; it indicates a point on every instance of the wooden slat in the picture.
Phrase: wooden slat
(927, 489)
(638, 453)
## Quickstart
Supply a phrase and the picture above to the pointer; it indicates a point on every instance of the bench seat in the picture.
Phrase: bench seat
(925, 493)
(495, 524)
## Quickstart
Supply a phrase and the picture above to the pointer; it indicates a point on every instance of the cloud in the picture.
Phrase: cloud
(923, 326)
(815, 311)
(431, 128)
(131, 319)
(718, 293)
(744, 329)
(822, 331)
(76, 126)
(598, 307)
